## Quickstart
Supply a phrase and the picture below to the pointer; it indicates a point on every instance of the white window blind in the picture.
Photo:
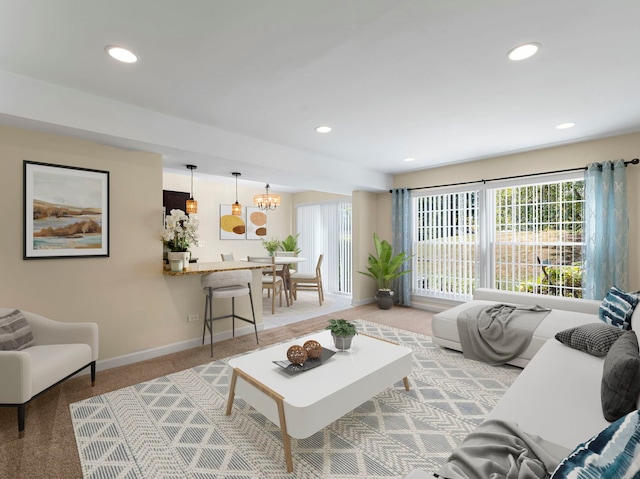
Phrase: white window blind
(446, 245)
(325, 228)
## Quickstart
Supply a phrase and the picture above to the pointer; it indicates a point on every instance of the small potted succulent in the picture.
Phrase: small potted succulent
(343, 332)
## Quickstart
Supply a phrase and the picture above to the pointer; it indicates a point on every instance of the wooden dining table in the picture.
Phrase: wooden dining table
(283, 261)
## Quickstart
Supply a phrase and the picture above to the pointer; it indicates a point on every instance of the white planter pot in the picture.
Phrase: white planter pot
(179, 261)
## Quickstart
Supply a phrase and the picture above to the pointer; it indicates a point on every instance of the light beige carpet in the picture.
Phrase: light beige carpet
(175, 426)
(48, 448)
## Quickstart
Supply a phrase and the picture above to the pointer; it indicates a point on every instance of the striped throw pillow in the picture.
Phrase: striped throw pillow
(610, 453)
(617, 307)
(15, 332)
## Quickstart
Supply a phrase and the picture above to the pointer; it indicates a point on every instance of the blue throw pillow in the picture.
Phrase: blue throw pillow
(617, 307)
(608, 454)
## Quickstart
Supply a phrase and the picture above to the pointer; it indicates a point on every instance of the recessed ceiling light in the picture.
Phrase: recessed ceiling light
(409, 159)
(122, 54)
(564, 126)
(522, 52)
(323, 129)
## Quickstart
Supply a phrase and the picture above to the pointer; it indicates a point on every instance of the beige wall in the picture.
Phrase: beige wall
(210, 195)
(568, 156)
(124, 293)
(136, 307)
(315, 197)
(365, 221)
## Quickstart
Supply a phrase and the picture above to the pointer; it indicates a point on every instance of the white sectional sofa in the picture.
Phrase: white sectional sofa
(566, 313)
(558, 394)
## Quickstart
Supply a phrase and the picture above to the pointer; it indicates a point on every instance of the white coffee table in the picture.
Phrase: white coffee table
(304, 403)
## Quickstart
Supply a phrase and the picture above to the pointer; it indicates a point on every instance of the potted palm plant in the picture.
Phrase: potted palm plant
(384, 267)
(342, 331)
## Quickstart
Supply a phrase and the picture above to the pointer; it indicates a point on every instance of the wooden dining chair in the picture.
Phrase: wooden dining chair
(285, 271)
(285, 254)
(272, 283)
(227, 256)
(308, 281)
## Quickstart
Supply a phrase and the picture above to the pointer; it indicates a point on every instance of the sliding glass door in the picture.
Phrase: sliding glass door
(325, 228)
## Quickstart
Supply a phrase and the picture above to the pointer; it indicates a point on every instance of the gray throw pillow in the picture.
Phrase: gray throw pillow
(15, 332)
(592, 338)
(621, 377)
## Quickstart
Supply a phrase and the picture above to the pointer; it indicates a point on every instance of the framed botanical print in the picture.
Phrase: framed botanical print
(66, 211)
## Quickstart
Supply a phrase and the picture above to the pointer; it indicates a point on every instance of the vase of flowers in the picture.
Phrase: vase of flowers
(271, 245)
(180, 232)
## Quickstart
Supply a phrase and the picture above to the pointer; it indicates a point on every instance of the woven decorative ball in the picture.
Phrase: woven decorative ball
(313, 349)
(297, 354)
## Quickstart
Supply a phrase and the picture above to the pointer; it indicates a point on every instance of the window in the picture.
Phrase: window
(516, 237)
(326, 229)
(446, 251)
(538, 238)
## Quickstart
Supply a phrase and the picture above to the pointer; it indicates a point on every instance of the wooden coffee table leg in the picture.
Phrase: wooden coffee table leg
(406, 382)
(286, 441)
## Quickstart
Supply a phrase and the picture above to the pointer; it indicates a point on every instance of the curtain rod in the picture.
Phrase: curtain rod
(635, 161)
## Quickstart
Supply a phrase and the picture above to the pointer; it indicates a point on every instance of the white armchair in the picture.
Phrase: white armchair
(59, 351)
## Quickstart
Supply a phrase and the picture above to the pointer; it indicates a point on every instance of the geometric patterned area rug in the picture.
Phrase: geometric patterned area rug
(175, 426)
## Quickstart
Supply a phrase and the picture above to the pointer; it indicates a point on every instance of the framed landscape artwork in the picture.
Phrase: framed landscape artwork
(66, 211)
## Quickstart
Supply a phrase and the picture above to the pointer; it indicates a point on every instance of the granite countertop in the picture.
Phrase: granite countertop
(213, 267)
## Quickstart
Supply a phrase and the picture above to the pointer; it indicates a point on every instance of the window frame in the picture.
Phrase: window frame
(486, 224)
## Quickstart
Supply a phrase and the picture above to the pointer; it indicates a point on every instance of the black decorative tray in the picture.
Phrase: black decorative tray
(291, 368)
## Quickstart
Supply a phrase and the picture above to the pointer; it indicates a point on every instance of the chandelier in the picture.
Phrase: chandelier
(268, 201)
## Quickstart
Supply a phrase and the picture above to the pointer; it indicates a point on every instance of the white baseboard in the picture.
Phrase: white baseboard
(432, 305)
(143, 355)
(360, 302)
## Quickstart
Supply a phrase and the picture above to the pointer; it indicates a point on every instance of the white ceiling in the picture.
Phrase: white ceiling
(240, 85)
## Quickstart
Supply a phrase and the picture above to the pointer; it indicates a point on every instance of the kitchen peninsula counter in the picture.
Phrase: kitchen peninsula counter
(185, 289)
(214, 267)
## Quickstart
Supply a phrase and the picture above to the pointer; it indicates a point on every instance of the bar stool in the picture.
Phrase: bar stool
(226, 284)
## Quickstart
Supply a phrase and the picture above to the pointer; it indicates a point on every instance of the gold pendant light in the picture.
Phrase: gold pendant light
(192, 205)
(236, 208)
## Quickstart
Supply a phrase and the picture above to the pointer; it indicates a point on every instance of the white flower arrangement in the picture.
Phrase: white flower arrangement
(180, 231)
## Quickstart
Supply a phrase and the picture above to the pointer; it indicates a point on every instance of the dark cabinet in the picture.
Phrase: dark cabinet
(174, 200)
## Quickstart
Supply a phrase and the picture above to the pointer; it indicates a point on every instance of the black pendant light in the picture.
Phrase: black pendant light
(236, 208)
(192, 205)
